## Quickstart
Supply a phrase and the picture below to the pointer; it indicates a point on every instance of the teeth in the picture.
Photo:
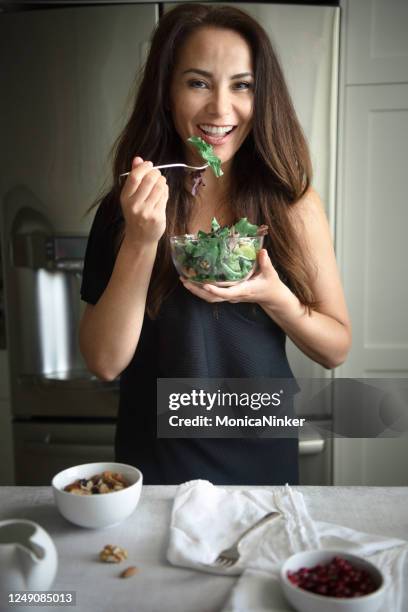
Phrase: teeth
(211, 129)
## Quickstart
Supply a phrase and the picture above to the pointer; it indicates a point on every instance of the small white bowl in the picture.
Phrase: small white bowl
(96, 511)
(306, 601)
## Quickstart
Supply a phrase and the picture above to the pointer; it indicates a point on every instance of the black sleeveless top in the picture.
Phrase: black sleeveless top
(192, 338)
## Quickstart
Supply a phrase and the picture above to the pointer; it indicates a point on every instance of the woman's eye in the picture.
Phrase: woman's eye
(197, 84)
(243, 85)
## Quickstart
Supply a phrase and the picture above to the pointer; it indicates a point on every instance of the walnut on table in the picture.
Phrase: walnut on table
(113, 554)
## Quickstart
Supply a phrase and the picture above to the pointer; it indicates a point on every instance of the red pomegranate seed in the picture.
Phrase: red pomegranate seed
(337, 578)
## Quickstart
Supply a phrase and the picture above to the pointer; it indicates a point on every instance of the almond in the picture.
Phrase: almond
(130, 571)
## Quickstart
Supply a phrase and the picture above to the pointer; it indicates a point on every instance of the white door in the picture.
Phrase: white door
(372, 222)
(373, 218)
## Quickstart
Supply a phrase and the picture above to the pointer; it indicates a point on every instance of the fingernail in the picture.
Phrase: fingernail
(150, 164)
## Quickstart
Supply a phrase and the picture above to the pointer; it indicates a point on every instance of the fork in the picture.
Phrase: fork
(230, 556)
(173, 166)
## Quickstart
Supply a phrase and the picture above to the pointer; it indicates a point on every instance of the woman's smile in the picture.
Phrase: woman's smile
(216, 135)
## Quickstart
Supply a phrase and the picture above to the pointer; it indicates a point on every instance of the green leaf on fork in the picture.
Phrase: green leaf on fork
(207, 153)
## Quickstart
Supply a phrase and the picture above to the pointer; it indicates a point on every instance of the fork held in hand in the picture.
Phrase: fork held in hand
(173, 166)
(230, 556)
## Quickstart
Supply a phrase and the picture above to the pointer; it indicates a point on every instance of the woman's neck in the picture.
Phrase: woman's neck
(211, 201)
(215, 188)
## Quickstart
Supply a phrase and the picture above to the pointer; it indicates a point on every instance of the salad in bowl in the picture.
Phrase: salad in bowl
(224, 256)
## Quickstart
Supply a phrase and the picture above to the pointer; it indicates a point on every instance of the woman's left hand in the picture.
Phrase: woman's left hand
(265, 288)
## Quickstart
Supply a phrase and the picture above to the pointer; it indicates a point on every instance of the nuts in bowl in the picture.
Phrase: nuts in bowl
(223, 257)
(322, 580)
(96, 495)
(107, 482)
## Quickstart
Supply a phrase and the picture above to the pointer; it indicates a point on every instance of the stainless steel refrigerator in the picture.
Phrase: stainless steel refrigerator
(67, 78)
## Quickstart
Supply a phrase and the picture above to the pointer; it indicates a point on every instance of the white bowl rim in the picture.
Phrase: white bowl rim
(85, 465)
(336, 553)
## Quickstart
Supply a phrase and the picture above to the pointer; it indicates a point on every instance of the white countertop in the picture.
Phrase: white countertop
(158, 586)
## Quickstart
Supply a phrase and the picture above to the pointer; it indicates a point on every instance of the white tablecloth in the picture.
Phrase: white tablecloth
(158, 586)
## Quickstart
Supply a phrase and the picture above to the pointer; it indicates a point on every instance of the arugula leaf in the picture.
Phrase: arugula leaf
(207, 153)
(245, 228)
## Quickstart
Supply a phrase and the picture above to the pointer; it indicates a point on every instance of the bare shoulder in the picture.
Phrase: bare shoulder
(311, 225)
(308, 213)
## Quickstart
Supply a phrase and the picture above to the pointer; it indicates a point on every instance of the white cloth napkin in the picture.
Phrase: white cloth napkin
(206, 519)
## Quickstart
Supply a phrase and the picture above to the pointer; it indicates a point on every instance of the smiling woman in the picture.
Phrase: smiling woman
(211, 73)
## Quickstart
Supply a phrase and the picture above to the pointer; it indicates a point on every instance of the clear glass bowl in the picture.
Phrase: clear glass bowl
(224, 265)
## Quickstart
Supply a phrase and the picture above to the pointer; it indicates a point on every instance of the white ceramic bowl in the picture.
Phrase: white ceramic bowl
(96, 511)
(305, 601)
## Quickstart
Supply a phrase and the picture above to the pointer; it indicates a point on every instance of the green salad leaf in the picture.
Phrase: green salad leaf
(223, 254)
(207, 153)
(245, 228)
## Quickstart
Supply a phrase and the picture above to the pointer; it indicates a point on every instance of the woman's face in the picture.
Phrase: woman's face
(212, 91)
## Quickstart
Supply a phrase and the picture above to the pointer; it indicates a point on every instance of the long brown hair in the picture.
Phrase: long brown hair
(271, 171)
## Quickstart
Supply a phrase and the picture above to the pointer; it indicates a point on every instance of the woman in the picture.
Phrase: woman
(211, 72)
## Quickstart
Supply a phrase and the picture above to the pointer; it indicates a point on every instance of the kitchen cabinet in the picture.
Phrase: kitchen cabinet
(44, 449)
(372, 217)
(377, 41)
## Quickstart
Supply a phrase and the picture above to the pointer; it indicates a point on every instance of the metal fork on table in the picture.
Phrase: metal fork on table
(173, 166)
(230, 556)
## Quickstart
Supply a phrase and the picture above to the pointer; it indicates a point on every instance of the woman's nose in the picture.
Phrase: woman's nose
(220, 101)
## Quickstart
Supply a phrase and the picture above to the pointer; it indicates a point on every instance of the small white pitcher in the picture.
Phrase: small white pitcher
(28, 557)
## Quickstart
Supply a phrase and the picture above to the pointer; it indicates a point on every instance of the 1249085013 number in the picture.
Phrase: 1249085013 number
(38, 598)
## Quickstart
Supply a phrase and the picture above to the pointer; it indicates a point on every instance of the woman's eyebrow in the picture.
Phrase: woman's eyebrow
(209, 74)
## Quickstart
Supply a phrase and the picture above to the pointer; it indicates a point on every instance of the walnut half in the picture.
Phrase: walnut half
(113, 554)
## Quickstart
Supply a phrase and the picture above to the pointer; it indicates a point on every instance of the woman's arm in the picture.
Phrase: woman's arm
(325, 334)
(110, 330)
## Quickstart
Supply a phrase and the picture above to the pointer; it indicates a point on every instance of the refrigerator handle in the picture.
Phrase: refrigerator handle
(311, 447)
(312, 444)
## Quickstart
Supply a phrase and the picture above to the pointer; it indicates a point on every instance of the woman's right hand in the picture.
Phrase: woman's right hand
(143, 200)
